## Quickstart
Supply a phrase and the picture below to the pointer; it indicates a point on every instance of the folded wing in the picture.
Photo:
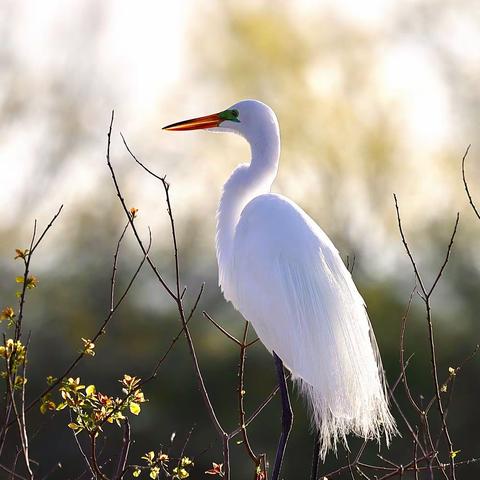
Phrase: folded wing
(292, 285)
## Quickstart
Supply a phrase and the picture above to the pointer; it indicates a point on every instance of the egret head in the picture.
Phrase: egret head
(248, 118)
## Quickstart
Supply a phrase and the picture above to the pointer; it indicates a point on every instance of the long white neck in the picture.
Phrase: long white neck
(246, 182)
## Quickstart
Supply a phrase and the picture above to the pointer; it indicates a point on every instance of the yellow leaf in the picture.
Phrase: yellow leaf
(137, 472)
(149, 456)
(90, 390)
(454, 453)
(73, 426)
(32, 282)
(154, 472)
(19, 279)
(135, 408)
(181, 473)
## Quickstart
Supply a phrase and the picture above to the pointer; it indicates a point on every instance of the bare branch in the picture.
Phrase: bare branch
(467, 190)
(101, 331)
(227, 334)
(426, 299)
(177, 297)
(447, 256)
(122, 461)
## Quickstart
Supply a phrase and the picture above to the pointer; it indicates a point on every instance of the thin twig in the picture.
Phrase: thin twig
(426, 297)
(93, 458)
(101, 331)
(114, 267)
(227, 334)
(259, 409)
(315, 457)
(126, 442)
(176, 296)
(12, 473)
(241, 394)
(19, 416)
(81, 450)
(467, 190)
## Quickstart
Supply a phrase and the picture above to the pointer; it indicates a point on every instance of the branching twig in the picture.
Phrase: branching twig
(426, 298)
(176, 295)
(101, 331)
(93, 457)
(122, 460)
(227, 334)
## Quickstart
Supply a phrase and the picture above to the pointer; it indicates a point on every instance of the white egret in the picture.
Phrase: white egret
(282, 272)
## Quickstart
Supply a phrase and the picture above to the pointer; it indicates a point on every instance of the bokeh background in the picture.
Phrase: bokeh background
(372, 97)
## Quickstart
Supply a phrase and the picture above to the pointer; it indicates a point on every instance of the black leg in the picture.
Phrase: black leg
(315, 457)
(287, 417)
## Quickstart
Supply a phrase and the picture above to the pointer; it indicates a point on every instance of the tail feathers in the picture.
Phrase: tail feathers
(335, 418)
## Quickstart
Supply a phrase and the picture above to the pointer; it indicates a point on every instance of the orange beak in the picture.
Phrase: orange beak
(209, 121)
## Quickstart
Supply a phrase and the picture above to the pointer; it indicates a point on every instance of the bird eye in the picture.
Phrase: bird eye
(235, 113)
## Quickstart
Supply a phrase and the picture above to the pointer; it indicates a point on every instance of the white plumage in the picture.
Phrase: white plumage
(282, 272)
(291, 284)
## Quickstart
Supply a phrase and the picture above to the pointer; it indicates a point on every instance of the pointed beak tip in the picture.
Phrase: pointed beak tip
(203, 123)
